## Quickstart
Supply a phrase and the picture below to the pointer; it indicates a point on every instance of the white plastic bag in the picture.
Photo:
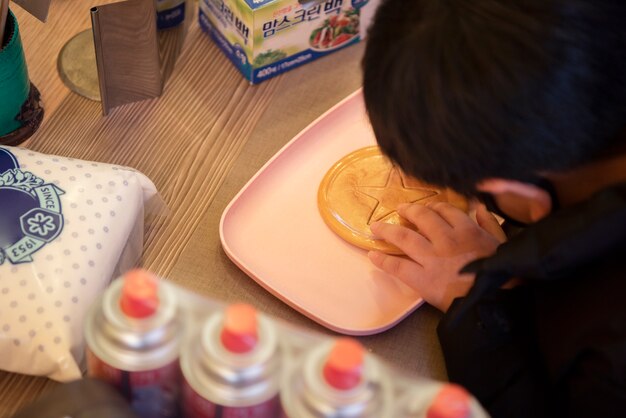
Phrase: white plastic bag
(67, 227)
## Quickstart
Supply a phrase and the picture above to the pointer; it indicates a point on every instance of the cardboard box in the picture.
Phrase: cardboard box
(264, 38)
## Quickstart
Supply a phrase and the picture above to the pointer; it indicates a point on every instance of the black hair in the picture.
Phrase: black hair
(462, 90)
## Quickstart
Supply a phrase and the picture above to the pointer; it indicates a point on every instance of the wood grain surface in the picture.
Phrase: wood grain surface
(200, 142)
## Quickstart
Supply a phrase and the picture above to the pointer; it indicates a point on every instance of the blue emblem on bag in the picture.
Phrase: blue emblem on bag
(30, 211)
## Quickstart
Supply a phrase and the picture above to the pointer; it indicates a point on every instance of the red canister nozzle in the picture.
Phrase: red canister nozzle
(140, 297)
(343, 368)
(452, 401)
(239, 332)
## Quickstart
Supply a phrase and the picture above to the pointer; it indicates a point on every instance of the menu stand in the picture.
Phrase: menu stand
(127, 52)
(37, 8)
(121, 59)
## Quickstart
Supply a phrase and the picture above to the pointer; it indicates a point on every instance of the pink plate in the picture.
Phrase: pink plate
(273, 231)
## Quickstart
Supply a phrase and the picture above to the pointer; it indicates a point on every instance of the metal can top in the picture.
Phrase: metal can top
(233, 365)
(437, 401)
(149, 337)
(311, 390)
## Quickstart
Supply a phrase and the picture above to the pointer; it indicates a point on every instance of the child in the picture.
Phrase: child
(522, 104)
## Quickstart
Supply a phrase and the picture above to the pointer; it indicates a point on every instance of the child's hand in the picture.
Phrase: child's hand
(447, 240)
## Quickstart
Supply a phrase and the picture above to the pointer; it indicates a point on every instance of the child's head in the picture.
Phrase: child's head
(459, 91)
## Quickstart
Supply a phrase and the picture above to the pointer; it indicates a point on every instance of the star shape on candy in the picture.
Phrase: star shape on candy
(392, 194)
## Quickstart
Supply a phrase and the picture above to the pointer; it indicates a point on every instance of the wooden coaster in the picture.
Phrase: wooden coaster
(364, 187)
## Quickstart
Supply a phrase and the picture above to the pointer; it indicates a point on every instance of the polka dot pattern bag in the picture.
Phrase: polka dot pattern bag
(67, 227)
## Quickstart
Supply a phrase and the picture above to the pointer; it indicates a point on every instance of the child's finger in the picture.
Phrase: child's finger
(406, 270)
(489, 223)
(412, 243)
(428, 222)
(451, 214)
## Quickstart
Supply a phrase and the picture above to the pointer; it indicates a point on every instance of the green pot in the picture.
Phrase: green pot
(14, 83)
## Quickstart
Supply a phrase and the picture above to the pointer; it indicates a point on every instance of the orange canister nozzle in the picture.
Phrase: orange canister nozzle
(140, 297)
(343, 368)
(452, 401)
(239, 331)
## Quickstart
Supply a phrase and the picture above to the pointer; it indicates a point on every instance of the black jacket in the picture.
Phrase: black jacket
(556, 345)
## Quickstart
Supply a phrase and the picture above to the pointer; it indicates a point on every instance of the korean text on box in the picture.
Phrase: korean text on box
(264, 38)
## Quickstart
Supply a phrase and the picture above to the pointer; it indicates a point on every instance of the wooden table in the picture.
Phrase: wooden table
(198, 149)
